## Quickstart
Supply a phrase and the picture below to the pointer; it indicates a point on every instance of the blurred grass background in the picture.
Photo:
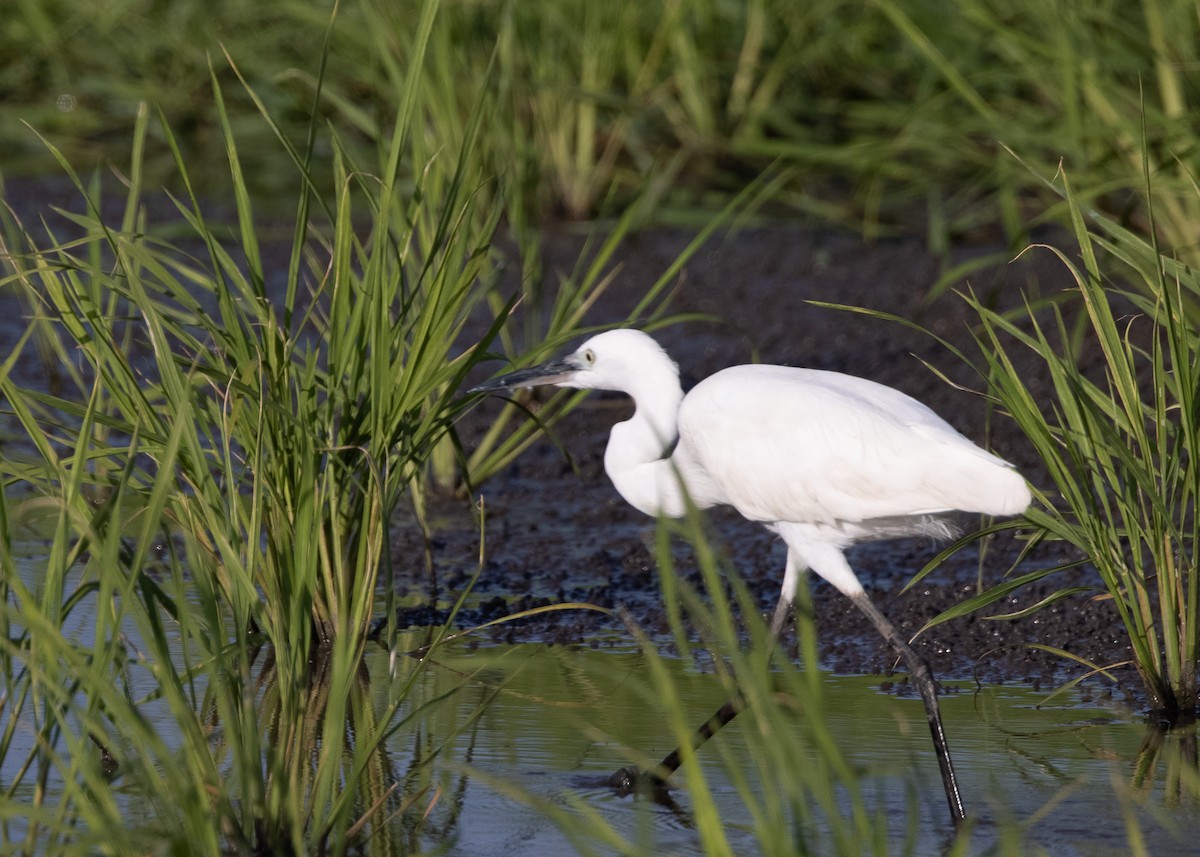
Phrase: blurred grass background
(891, 115)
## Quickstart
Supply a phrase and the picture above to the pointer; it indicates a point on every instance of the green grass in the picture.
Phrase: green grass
(795, 792)
(890, 116)
(131, 725)
(259, 416)
(802, 775)
(312, 407)
(1116, 432)
(1121, 448)
(262, 423)
(264, 417)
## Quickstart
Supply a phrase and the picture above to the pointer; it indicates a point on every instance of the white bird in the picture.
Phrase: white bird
(820, 458)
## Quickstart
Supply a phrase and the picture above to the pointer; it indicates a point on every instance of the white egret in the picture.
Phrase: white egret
(820, 458)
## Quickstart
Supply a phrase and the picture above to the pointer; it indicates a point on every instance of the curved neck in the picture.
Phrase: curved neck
(637, 457)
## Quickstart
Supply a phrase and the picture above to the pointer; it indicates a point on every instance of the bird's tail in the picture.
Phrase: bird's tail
(992, 486)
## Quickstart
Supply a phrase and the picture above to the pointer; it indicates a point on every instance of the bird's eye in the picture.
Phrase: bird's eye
(589, 357)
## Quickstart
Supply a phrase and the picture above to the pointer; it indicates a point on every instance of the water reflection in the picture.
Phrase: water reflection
(557, 721)
(1168, 755)
(489, 750)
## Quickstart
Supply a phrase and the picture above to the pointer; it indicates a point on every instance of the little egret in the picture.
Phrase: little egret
(820, 458)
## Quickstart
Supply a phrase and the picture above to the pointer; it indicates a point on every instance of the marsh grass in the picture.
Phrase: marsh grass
(130, 725)
(790, 785)
(261, 419)
(232, 428)
(313, 406)
(891, 116)
(1121, 451)
(1117, 434)
(261, 422)
(801, 794)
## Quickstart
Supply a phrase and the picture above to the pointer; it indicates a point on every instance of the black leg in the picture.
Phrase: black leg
(918, 671)
(630, 779)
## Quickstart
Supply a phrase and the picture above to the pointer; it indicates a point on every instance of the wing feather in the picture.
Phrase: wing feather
(803, 445)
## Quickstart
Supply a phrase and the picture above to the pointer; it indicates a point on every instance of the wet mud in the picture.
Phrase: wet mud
(557, 531)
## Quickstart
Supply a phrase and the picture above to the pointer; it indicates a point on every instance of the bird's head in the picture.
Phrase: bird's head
(619, 360)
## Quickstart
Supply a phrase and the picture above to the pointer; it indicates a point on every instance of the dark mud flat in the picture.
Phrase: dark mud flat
(557, 530)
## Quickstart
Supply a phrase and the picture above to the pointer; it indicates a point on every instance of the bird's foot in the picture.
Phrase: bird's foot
(630, 780)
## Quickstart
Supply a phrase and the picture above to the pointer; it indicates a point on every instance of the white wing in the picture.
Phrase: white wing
(807, 446)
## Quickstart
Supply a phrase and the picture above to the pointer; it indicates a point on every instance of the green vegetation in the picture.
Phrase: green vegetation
(804, 792)
(256, 418)
(891, 114)
(264, 435)
(236, 413)
(1120, 442)
(1117, 435)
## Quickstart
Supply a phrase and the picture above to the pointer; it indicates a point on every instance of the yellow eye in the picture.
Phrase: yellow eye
(589, 357)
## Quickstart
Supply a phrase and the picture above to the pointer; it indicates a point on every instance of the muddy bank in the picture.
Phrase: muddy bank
(557, 530)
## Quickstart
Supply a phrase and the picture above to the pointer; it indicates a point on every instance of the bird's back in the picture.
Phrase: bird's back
(808, 446)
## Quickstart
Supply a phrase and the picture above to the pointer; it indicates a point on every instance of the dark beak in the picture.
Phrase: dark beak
(556, 371)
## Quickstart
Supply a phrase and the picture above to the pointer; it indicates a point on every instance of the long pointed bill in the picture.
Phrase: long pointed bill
(558, 371)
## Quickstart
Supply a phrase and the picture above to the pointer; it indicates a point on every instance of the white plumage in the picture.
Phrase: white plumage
(821, 458)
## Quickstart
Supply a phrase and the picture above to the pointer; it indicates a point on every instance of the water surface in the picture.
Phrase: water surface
(564, 718)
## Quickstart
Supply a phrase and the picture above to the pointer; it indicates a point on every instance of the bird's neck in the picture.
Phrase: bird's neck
(637, 458)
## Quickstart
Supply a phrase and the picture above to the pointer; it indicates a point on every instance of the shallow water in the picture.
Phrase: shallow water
(1064, 774)
(515, 742)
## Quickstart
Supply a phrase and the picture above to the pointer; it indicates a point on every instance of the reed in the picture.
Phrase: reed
(1120, 448)
(313, 406)
(260, 420)
(890, 116)
(1117, 435)
(794, 790)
